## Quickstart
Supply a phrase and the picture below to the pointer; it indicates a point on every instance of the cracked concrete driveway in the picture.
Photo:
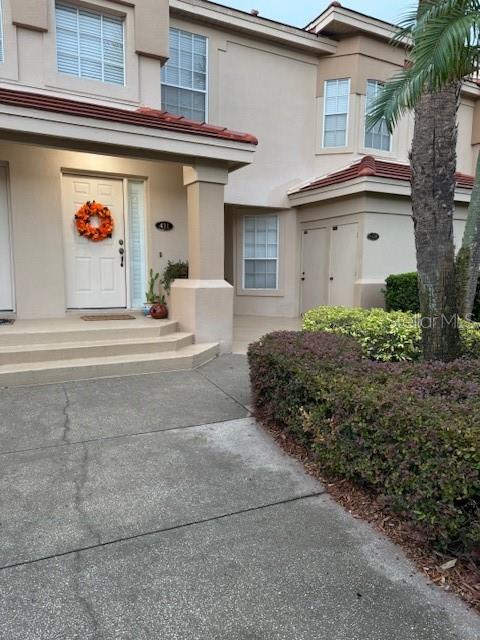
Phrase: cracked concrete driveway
(153, 507)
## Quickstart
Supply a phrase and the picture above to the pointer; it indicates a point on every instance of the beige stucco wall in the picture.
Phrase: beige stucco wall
(255, 85)
(30, 51)
(35, 189)
(276, 92)
(394, 252)
(268, 90)
(283, 301)
(31, 13)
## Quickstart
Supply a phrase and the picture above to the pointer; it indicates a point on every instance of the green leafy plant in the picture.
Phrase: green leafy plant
(173, 271)
(386, 336)
(408, 432)
(401, 294)
(152, 295)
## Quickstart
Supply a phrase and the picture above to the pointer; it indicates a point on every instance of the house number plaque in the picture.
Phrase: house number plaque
(164, 225)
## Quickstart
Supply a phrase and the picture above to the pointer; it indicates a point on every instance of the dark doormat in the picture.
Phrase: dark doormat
(110, 316)
(6, 321)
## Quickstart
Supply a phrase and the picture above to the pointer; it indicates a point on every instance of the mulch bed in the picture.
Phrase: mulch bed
(462, 579)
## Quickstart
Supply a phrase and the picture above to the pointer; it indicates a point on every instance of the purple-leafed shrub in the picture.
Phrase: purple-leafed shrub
(410, 432)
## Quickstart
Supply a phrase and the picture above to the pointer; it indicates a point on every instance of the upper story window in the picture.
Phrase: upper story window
(335, 121)
(184, 76)
(260, 252)
(377, 137)
(90, 44)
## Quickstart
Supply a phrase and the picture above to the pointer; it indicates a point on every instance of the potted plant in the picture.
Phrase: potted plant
(173, 271)
(159, 310)
(151, 296)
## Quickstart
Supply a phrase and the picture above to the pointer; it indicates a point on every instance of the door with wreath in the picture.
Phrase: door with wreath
(95, 252)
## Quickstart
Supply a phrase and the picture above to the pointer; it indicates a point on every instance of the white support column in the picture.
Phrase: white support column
(203, 304)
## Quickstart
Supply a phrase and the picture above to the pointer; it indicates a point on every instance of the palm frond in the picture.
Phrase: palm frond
(398, 96)
(446, 46)
(405, 25)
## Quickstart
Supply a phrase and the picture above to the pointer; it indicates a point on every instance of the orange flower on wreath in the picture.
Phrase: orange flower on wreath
(84, 227)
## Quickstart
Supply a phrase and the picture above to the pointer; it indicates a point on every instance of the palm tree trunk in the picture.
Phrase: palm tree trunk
(468, 259)
(433, 162)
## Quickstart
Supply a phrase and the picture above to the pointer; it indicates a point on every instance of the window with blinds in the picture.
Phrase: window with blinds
(90, 44)
(378, 136)
(335, 122)
(260, 252)
(136, 242)
(184, 76)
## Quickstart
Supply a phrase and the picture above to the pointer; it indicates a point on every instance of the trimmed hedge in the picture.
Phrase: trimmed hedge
(401, 294)
(393, 336)
(409, 432)
(383, 336)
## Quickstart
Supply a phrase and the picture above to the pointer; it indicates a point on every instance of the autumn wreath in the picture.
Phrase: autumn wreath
(82, 221)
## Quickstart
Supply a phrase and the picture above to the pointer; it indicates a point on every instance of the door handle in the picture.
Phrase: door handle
(121, 251)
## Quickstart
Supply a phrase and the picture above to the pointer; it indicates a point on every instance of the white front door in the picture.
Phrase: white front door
(95, 271)
(314, 268)
(6, 289)
(343, 264)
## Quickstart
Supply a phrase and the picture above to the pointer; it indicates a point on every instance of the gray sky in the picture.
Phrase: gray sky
(300, 12)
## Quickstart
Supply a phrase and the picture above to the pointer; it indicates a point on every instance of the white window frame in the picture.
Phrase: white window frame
(100, 11)
(207, 73)
(127, 182)
(365, 146)
(244, 258)
(2, 33)
(325, 114)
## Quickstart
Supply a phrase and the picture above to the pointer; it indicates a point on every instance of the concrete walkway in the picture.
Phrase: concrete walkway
(153, 507)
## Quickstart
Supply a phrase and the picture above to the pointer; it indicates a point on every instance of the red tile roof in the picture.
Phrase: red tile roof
(370, 166)
(143, 117)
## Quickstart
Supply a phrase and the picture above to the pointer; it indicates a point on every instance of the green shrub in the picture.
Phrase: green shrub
(383, 336)
(401, 294)
(173, 271)
(393, 336)
(408, 432)
(470, 336)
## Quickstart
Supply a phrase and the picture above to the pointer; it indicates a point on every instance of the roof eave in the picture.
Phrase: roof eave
(235, 20)
(74, 132)
(354, 20)
(357, 186)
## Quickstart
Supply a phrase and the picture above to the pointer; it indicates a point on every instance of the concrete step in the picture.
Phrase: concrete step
(188, 357)
(44, 332)
(47, 352)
